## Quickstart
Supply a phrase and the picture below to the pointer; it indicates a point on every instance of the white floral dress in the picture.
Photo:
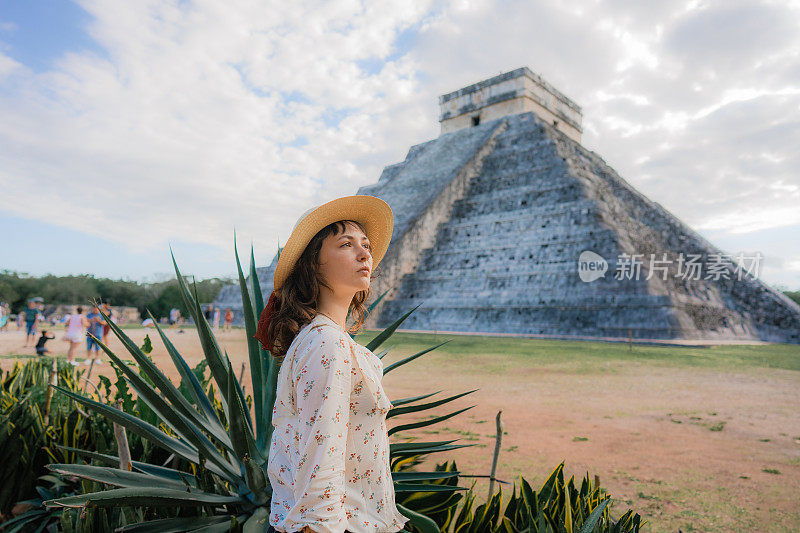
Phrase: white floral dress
(329, 455)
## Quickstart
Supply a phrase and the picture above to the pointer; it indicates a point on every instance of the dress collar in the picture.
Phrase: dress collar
(326, 319)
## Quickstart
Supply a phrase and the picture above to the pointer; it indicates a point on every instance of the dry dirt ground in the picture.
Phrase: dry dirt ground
(692, 439)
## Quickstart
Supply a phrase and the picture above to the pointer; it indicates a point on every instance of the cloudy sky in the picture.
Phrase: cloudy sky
(126, 127)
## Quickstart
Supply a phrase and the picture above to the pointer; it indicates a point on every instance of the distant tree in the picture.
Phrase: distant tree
(169, 296)
(794, 295)
(159, 297)
(8, 292)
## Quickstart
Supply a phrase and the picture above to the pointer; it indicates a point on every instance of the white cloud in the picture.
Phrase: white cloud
(753, 219)
(207, 115)
(7, 65)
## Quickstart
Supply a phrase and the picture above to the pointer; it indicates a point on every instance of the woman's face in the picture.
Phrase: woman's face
(346, 260)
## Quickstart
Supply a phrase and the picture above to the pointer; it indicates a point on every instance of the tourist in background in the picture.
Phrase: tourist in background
(216, 318)
(228, 318)
(174, 316)
(40, 348)
(75, 324)
(4, 315)
(94, 332)
(32, 317)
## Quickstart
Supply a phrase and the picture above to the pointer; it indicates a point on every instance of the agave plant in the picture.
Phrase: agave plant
(28, 438)
(228, 487)
(558, 506)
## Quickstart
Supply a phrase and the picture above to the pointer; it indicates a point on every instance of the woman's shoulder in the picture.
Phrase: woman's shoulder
(318, 334)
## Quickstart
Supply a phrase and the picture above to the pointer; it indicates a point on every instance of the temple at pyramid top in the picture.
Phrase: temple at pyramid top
(518, 91)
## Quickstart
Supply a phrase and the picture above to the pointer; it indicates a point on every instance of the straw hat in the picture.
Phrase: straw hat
(372, 213)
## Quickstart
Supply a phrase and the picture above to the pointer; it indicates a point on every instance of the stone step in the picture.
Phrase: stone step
(485, 203)
(519, 183)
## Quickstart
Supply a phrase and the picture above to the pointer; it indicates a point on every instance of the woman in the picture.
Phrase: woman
(75, 324)
(329, 455)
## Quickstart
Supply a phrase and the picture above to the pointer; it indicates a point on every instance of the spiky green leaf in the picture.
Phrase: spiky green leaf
(430, 422)
(403, 401)
(412, 357)
(145, 430)
(423, 487)
(211, 349)
(152, 497)
(209, 414)
(252, 347)
(400, 477)
(175, 525)
(191, 431)
(425, 524)
(396, 411)
(593, 518)
(386, 333)
(115, 476)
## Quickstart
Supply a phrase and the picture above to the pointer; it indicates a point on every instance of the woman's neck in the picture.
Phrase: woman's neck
(334, 306)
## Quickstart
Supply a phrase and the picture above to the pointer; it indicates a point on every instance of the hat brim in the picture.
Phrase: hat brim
(371, 212)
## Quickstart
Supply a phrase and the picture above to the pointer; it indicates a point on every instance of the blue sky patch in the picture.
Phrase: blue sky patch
(40, 248)
(37, 33)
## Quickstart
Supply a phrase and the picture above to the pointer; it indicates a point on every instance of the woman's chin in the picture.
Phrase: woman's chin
(357, 286)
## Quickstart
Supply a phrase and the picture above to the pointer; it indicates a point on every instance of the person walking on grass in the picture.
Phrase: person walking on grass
(94, 332)
(32, 317)
(174, 317)
(4, 314)
(216, 318)
(228, 318)
(328, 460)
(75, 324)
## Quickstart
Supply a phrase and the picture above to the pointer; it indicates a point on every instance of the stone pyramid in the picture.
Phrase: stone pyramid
(491, 219)
(493, 216)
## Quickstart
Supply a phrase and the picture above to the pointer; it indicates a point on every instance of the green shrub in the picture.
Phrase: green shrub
(27, 444)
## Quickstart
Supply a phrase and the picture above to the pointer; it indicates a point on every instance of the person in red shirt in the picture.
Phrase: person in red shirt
(228, 319)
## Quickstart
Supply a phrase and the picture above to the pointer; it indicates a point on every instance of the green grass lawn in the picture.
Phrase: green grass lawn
(590, 354)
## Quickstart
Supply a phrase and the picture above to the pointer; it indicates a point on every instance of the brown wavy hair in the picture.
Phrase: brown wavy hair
(298, 297)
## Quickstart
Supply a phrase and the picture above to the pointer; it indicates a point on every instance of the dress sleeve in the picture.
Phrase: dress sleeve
(322, 390)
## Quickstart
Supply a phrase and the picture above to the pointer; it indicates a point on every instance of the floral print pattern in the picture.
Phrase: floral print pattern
(329, 455)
